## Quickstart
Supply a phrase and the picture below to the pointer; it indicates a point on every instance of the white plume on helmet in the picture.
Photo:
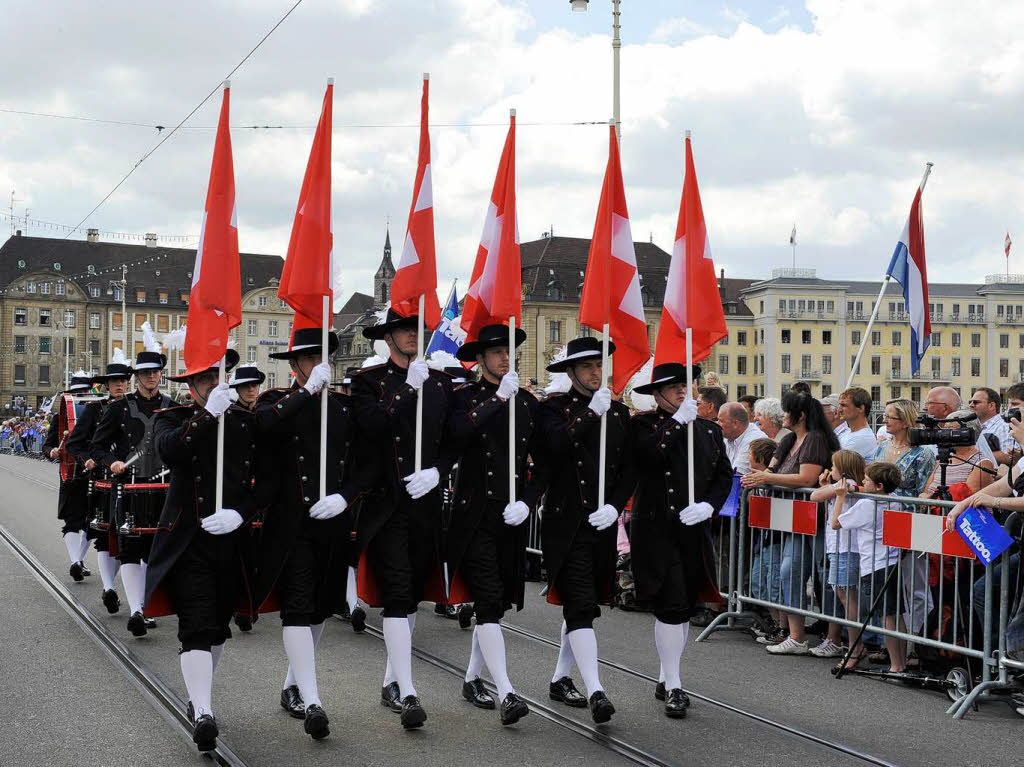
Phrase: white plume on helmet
(175, 339)
(118, 358)
(442, 360)
(80, 374)
(149, 339)
(642, 402)
(370, 362)
(559, 383)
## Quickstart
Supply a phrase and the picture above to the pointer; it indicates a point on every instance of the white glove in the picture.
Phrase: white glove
(516, 513)
(422, 482)
(509, 385)
(686, 412)
(697, 513)
(328, 507)
(419, 371)
(604, 517)
(221, 522)
(219, 400)
(601, 402)
(319, 377)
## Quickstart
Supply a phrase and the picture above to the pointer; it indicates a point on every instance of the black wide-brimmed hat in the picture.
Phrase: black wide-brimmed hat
(392, 321)
(307, 341)
(230, 360)
(489, 337)
(80, 382)
(579, 350)
(145, 360)
(665, 374)
(248, 374)
(114, 370)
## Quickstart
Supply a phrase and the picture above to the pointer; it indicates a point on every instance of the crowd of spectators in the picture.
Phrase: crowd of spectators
(24, 435)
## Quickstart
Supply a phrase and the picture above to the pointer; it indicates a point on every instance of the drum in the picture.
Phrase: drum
(101, 500)
(140, 505)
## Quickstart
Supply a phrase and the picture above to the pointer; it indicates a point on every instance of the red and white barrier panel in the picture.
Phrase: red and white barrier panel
(783, 514)
(922, 532)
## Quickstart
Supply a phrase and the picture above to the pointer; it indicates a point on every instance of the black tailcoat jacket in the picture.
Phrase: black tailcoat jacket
(186, 439)
(662, 491)
(479, 431)
(569, 434)
(72, 495)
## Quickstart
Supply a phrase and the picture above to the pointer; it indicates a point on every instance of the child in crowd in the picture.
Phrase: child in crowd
(841, 548)
(865, 518)
(765, 579)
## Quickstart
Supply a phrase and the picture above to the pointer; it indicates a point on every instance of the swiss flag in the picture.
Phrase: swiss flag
(692, 299)
(309, 264)
(416, 274)
(611, 286)
(494, 287)
(215, 301)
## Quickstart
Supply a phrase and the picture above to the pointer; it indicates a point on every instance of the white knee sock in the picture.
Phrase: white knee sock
(563, 667)
(301, 652)
(492, 646)
(317, 630)
(389, 673)
(398, 639)
(83, 547)
(584, 647)
(197, 670)
(71, 543)
(476, 659)
(134, 579)
(108, 569)
(670, 641)
(350, 590)
(215, 652)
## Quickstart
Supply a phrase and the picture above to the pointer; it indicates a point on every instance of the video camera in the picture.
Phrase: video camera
(1012, 413)
(929, 432)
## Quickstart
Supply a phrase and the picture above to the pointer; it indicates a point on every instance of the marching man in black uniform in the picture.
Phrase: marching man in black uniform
(670, 539)
(116, 378)
(196, 563)
(578, 536)
(301, 535)
(401, 524)
(124, 444)
(72, 498)
(486, 544)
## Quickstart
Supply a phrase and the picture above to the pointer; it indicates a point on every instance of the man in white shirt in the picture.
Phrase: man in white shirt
(854, 406)
(739, 432)
(985, 404)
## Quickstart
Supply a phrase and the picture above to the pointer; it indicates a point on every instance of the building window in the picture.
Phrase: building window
(956, 366)
(741, 389)
(94, 347)
(161, 296)
(855, 338)
(94, 291)
(725, 340)
(117, 322)
(1004, 340)
(21, 316)
(830, 306)
(183, 297)
(250, 354)
(975, 366)
(44, 288)
(896, 364)
(955, 340)
(760, 309)
(897, 392)
(826, 390)
(262, 301)
(975, 340)
(140, 295)
(69, 344)
(826, 337)
(253, 327)
(60, 292)
(163, 323)
(805, 364)
(44, 318)
(118, 293)
(805, 336)
(876, 366)
(586, 332)
(853, 359)
(786, 365)
(936, 339)
(30, 287)
(94, 320)
(284, 304)
(1004, 368)
(19, 345)
(555, 331)
(782, 306)
(785, 336)
(44, 375)
(723, 364)
(826, 364)
(69, 318)
(897, 338)
(271, 380)
(741, 338)
(876, 393)
(140, 320)
(1020, 340)
(272, 328)
(19, 374)
(936, 366)
(44, 344)
(741, 366)
(876, 337)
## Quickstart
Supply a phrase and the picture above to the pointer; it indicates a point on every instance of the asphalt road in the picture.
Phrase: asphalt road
(65, 703)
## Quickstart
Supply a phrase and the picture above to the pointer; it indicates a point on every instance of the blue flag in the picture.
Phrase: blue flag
(731, 507)
(983, 534)
(448, 336)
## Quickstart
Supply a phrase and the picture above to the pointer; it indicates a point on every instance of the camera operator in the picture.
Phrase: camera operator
(985, 404)
(967, 465)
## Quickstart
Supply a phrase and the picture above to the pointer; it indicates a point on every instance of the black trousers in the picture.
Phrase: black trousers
(676, 600)
(403, 554)
(577, 583)
(204, 586)
(73, 505)
(304, 577)
(489, 566)
(131, 550)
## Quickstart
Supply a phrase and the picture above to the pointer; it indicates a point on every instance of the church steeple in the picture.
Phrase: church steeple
(385, 273)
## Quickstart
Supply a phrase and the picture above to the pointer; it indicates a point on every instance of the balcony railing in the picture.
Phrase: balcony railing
(1010, 319)
(807, 314)
(808, 375)
(897, 376)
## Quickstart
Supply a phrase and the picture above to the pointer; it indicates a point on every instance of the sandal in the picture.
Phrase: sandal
(854, 659)
(879, 656)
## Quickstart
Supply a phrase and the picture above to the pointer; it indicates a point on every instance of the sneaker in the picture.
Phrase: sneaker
(773, 638)
(764, 627)
(828, 649)
(703, 618)
(788, 646)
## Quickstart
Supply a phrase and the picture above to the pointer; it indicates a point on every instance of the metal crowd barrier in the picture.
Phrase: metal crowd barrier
(944, 603)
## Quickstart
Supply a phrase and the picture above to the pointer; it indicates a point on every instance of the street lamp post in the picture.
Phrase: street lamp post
(124, 312)
(581, 6)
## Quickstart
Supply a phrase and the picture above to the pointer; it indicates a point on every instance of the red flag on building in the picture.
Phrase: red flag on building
(611, 285)
(1007, 244)
(692, 299)
(308, 267)
(215, 301)
(416, 274)
(494, 292)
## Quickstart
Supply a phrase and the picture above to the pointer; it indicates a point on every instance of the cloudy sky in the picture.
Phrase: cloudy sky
(821, 113)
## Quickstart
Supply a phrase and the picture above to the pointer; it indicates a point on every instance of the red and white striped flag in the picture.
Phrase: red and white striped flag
(1007, 244)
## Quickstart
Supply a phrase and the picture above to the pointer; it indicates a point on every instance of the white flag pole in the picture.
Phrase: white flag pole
(324, 393)
(878, 301)
(512, 412)
(603, 450)
(689, 428)
(218, 497)
(419, 399)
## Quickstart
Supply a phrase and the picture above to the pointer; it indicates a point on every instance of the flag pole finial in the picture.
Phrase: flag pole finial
(330, 81)
(512, 112)
(227, 83)
(426, 75)
(687, 133)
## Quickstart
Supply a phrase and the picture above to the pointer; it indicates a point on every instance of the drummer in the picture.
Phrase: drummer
(118, 374)
(123, 443)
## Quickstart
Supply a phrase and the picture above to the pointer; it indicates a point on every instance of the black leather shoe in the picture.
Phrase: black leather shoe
(291, 701)
(150, 622)
(137, 625)
(601, 709)
(190, 713)
(111, 601)
(76, 571)
(564, 691)
(513, 708)
(440, 609)
(85, 570)
(676, 703)
(316, 722)
(358, 620)
(243, 621)
(477, 694)
(205, 732)
(465, 616)
(389, 697)
(343, 614)
(659, 691)
(413, 715)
